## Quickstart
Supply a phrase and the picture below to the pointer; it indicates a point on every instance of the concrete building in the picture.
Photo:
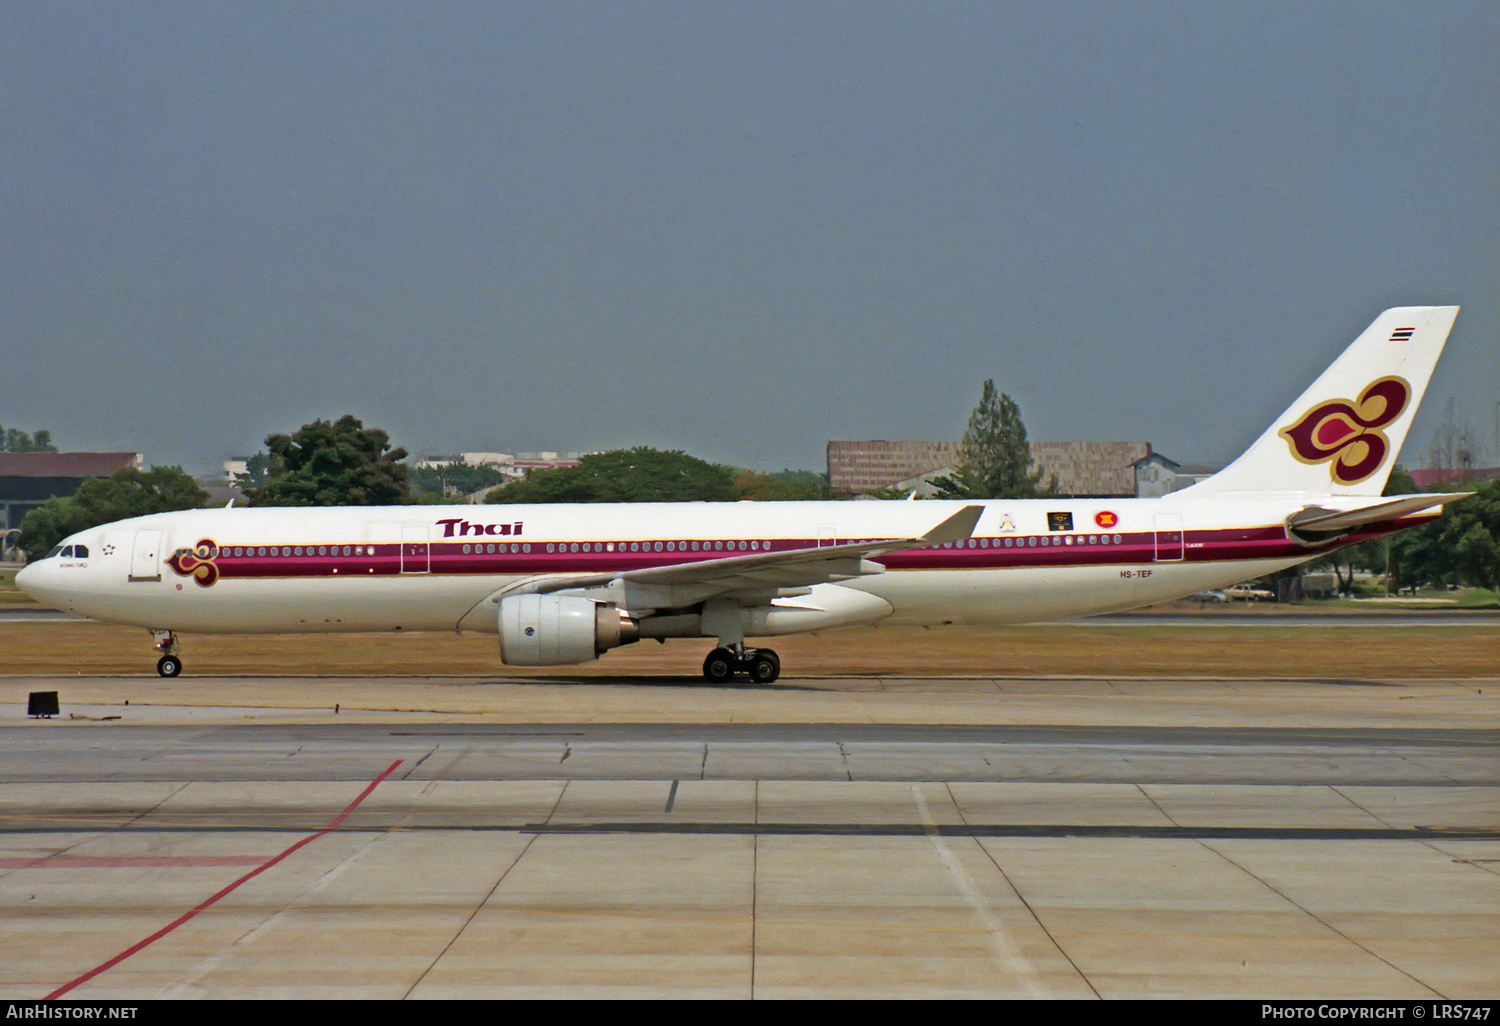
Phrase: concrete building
(1089, 470)
(1082, 469)
(857, 467)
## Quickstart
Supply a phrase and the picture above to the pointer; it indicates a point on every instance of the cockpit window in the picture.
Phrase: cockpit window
(80, 552)
(56, 551)
(67, 552)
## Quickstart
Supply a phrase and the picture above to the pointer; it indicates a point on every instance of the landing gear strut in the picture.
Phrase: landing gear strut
(762, 665)
(169, 665)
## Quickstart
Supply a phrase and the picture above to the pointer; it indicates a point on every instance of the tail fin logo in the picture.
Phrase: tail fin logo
(1347, 433)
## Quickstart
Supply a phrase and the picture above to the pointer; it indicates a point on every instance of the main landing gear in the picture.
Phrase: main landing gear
(169, 665)
(761, 664)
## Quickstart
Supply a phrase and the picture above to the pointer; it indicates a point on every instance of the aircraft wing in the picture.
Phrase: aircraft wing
(1318, 521)
(801, 567)
(759, 573)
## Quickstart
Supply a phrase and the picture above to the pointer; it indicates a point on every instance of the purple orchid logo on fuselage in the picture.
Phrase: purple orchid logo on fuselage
(197, 562)
(1348, 433)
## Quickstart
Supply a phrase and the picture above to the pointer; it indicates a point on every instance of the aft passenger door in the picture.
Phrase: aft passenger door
(1168, 537)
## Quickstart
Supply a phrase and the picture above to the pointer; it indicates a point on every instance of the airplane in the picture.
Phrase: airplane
(563, 584)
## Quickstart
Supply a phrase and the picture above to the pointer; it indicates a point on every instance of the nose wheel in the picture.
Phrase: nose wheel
(170, 664)
(761, 665)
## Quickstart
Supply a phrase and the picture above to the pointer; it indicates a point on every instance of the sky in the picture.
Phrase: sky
(736, 229)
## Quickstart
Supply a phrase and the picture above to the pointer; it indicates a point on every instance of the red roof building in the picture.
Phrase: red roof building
(28, 479)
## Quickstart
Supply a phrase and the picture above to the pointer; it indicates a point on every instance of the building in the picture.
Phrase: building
(1155, 475)
(1090, 470)
(1082, 469)
(28, 479)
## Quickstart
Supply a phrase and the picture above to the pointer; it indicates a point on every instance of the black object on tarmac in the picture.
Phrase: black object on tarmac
(42, 703)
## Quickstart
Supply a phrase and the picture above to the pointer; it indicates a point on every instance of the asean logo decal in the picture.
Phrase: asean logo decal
(197, 562)
(1347, 433)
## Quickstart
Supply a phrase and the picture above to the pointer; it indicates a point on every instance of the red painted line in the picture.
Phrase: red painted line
(159, 934)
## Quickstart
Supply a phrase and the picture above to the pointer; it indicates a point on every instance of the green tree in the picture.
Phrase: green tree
(463, 478)
(1470, 537)
(1382, 555)
(995, 459)
(640, 474)
(1462, 547)
(333, 464)
(259, 470)
(786, 486)
(889, 494)
(127, 492)
(15, 440)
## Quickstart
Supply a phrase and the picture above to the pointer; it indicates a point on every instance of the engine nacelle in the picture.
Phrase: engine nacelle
(559, 630)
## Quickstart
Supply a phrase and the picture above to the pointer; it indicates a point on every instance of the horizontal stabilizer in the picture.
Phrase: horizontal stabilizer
(1332, 521)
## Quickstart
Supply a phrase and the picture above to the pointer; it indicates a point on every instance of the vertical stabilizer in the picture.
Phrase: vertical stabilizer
(1341, 437)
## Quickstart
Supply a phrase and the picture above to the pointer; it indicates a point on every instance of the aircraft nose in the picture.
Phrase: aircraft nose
(31, 579)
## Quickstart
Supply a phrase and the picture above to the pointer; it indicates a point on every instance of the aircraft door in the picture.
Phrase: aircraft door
(416, 555)
(828, 534)
(145, 556)
(1168, 537)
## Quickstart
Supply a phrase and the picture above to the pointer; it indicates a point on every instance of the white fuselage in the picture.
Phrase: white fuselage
(429, 568)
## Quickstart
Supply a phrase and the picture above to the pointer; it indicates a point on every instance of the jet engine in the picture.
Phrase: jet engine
(558, 630)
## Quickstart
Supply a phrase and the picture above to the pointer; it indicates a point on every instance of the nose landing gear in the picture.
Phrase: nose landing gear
(169, 665)
(762, 665)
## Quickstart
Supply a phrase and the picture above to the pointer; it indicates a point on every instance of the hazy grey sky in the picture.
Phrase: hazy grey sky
(735, 229)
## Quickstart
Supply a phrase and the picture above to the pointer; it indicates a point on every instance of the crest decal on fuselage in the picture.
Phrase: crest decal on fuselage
(197, 562)
(1347, 433)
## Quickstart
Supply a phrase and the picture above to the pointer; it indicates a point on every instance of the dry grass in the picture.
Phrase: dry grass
(68, 648)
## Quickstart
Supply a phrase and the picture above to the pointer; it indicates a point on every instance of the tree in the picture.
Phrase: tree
(995, 457)
(786, 486)
(1462, 547)
(333, 464)
(14, 440)
(1471, 537)
(640, 474)
(259, 470)
(462, 478)
(1379, 555)
(127, 492)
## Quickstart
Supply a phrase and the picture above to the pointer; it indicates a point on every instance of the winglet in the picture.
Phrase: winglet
(959, 525)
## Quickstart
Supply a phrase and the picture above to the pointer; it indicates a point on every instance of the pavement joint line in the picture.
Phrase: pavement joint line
(1321, 921)
(1008, 957)
(185, 917)
(1036, 917)
(486, 899)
